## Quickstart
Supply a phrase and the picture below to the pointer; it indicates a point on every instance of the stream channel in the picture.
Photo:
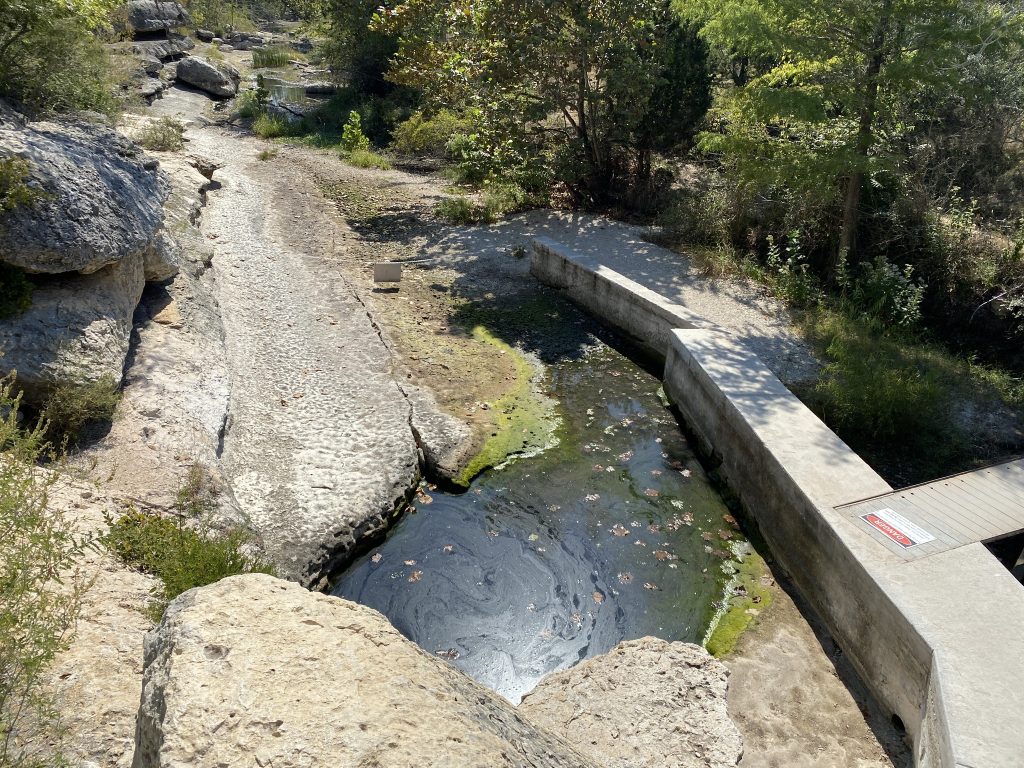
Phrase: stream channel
(613, 533)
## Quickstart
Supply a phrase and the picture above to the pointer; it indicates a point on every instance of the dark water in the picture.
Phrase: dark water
(613, 534)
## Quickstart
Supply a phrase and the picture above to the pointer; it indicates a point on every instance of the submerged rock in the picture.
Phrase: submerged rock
(257, 671)
(648, 702)
(219, 80)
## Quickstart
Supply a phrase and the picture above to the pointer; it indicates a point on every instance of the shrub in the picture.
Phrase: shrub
(183, 551)
(500, 199)
(367, 158)
(73, 407)
(267, 154)
(886, 294)
(458, 210)
(37, 550)
(251, 104)
(272, 126)
(789, 274)
(163, 135)
(422, 135)
(270, 57)
(352, 137)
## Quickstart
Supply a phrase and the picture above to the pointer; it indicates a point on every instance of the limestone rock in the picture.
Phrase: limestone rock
(145, 16)
(257, 671)
(205, 35)
(77, 329)
(102, 199)
(173, 47)
(219, 80)
(648, 702)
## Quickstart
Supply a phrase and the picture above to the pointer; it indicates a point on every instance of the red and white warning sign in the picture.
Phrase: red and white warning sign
(897, 528)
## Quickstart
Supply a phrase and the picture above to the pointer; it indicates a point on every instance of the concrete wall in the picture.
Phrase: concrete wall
(619, 301)
(940, 639)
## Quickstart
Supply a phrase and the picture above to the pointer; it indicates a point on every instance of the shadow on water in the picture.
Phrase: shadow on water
(614, 533)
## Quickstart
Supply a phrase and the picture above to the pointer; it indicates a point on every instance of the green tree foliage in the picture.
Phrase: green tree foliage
(595, 86)
(827, 117)
(39, 592)
(50, 58)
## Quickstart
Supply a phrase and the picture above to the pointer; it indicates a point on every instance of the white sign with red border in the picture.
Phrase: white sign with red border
(895, 526)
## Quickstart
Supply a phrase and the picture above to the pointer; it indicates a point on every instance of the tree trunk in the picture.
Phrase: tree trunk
(865, 134)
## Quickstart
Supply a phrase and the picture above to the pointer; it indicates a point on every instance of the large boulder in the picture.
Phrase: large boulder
(646, 704)
(257, 671)
(148, 16)
(101, 202)
(96, 232)
(219, 80)
(172, 47)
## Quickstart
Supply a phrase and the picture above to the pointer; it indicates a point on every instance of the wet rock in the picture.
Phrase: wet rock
(146, 16)
(648, 702)
(229, 673)
(218, 80)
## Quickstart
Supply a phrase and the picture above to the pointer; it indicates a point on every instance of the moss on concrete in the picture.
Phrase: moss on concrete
(522, 422)
(747, 595)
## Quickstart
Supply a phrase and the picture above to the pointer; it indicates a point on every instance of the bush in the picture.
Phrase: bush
(367, 158)
(164, 135)
(887, 295)
(183, 551)
(267, 154)
(271, 57)
(251, 104)
(422, 135)
(352, 137)
(458, 210)
(37, 550)
(272, 126)
(72, 408)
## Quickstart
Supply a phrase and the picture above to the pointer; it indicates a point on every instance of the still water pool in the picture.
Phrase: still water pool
(612, 534)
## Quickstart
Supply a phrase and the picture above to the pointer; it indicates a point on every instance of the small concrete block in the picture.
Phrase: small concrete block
(387, 272)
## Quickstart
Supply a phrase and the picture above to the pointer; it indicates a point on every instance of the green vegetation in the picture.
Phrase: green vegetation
(267, 154)
(367, 158)
(352, 137)
(163, 135)
(15, 291)
(184, 551)
(748, 593)
(39, 591)
(72, 409)
(496, 201)
(51, 58)
(268, 126)
(430, 136)
(271, 57)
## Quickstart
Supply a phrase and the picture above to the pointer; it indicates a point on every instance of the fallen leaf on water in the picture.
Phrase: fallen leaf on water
(634, 524)
(415, 576)
(598, 597)
(729, 520)
(651, 492)
(619, 530)
(640, 543)
(649, 585)
(531, 607)
(654, 528)
(655, 473)
(688, 518)
(410, 562)
(625, 577)
(376, 558)
(449, 548)
(598, 468)
(493, 534)
(593, 497)
(625, 456)
(707, 535)
(422, 497)
(450, 654)
(686, 473)
(661, 554)
(553, 507)
(533, 537)
(725, 535)
(673, 565)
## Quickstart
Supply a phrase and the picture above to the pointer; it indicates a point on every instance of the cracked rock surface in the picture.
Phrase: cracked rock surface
(318, 444)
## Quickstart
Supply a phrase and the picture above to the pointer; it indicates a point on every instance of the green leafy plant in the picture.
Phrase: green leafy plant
(352, 137)
(272, 126)
(40, 590)
(184, 550)
(73, 407)
(458, 210)
(15, 291)
(163, 135)
(267, 154)
(423, 135)
(367, 158)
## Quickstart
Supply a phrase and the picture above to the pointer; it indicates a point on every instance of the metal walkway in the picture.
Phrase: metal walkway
(921, 520)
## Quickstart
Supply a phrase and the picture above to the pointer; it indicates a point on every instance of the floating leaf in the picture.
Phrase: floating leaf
(656, 473)
(598, 468)
(724, 535)
(661, 554)
(625, 577)
(649, 585)
(598, 597)
(415, 576)
(533, 537)
(707, 535)
(593, 497)
(376, 558)
(409, 562)
(686, 473)
(651, 493)
(448, 548)
(625, 456)
(619, 530)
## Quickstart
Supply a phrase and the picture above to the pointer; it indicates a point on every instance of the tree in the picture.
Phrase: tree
(829, 111)
(601, 84)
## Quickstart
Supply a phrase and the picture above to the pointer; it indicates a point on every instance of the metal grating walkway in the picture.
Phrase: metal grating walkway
(933, 517)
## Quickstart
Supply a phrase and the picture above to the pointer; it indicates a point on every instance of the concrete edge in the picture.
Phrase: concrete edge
(924, 663)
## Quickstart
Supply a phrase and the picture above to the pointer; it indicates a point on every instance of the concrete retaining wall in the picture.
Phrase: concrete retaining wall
(940, 639)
